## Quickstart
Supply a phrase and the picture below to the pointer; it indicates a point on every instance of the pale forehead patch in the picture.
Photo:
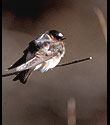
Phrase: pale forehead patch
(60, 34)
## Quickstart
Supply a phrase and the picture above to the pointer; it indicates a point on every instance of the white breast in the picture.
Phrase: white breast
(48, 64)
(51, 64)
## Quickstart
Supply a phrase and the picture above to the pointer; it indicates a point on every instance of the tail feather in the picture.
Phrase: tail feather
(23, 76)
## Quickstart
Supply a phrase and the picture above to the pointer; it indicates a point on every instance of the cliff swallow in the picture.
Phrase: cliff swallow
(42, 54)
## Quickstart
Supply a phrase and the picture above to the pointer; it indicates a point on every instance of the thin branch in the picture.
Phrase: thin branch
(60, 65)
(73, 62)
(9, 74)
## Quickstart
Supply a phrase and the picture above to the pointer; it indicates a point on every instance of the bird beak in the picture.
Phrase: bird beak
(63, 38)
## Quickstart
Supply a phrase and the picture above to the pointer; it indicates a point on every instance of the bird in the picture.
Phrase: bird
(42, 54)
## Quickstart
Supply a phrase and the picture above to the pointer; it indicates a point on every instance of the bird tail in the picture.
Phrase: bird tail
(23, 76)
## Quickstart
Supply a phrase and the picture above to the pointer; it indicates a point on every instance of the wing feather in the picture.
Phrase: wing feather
(46, 52)
(32, 48)
(35, 61)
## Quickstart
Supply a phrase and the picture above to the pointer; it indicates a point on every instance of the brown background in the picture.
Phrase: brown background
(43, 100)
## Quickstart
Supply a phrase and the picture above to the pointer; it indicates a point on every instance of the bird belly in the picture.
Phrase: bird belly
(50, 64)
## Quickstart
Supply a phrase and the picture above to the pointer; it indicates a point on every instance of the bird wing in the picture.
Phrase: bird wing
(35, 61)
(48, 51)
(32, 48)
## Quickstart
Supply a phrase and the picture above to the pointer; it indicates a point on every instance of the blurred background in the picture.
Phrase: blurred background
(44, 99)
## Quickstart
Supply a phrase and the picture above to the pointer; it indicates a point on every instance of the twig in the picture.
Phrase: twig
(72, 62)
(9, 74)
(60, 65)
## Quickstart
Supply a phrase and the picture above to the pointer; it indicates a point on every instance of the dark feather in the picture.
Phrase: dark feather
(31, 48)
(23, 76)
(19, 62)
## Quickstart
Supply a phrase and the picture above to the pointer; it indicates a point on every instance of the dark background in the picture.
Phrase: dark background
(43, 100)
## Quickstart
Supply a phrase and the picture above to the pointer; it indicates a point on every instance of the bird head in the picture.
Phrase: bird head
(56, 35)
(52, 35)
